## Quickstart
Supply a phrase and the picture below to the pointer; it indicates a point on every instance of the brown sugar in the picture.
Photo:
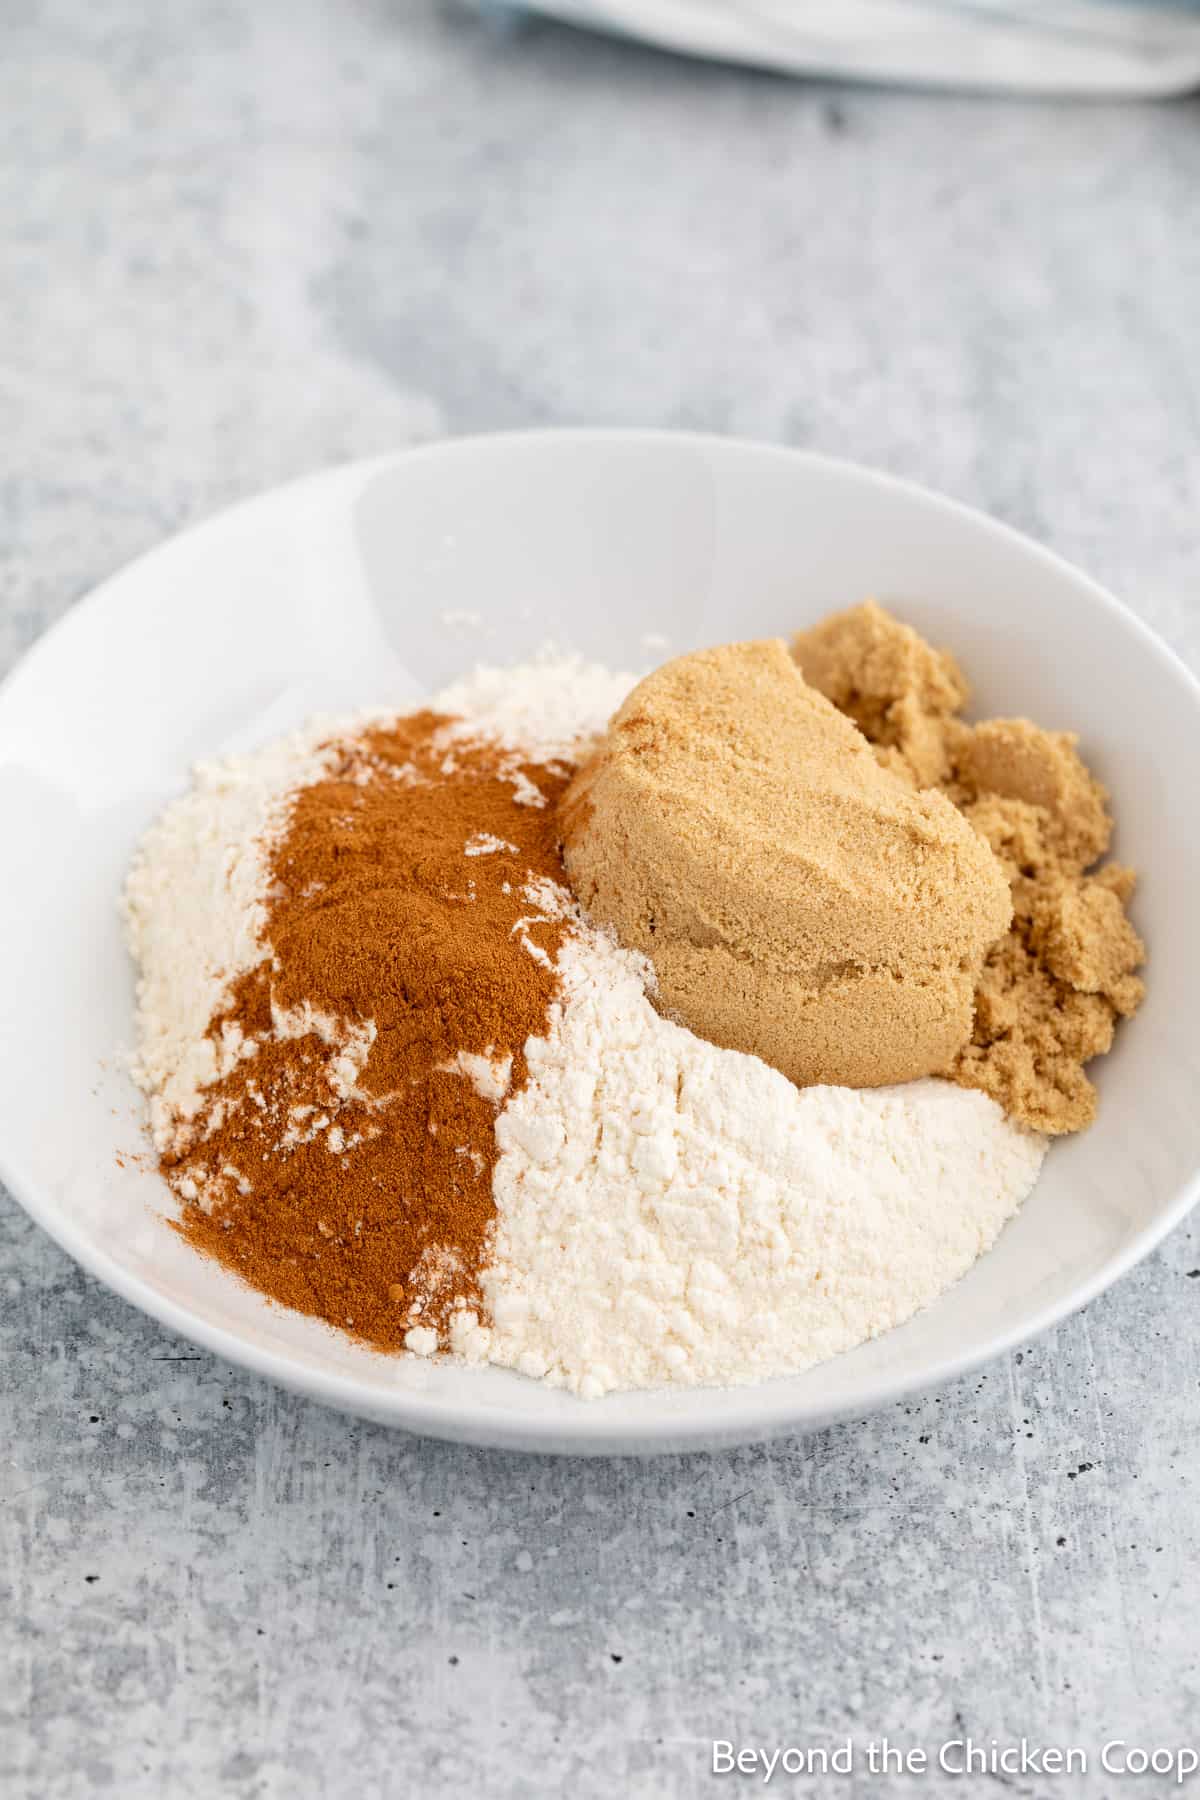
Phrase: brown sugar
(1053, 988)
(798, 900)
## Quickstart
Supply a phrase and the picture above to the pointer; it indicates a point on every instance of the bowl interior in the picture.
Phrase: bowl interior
(377, 582)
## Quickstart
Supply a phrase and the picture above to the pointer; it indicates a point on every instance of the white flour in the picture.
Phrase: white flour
(672, 1212)
(194, 906)
(543, 709)
(666, 1211)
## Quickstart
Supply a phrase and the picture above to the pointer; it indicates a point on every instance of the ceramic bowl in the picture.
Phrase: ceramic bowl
(377, 582)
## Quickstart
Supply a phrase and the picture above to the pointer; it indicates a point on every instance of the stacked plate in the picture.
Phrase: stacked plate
(1073, 46)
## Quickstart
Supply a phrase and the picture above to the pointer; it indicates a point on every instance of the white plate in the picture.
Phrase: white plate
(376, 582)
(1027, 46)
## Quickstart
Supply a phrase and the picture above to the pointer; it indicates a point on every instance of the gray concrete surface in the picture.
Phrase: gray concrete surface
(244, 238)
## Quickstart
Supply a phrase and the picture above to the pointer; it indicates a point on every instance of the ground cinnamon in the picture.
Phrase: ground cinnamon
(344, 1167)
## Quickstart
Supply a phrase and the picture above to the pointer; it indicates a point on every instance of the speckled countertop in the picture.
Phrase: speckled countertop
(244, 239)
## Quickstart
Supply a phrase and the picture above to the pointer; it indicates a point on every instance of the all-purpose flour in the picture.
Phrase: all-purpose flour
(672, 1212)
(666, 1211)
(194, 906)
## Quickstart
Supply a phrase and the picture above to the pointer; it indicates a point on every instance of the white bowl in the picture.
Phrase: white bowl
(376, 582)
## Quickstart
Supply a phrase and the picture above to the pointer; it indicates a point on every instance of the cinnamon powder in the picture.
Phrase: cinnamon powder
(344, 1167)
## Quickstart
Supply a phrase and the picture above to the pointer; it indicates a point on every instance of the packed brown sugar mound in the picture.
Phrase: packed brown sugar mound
(798, 900)
(1053, 987)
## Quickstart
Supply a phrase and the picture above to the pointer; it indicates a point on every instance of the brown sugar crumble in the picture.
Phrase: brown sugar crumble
(1054, 986)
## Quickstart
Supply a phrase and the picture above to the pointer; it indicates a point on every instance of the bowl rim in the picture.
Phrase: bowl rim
(768, 1411)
